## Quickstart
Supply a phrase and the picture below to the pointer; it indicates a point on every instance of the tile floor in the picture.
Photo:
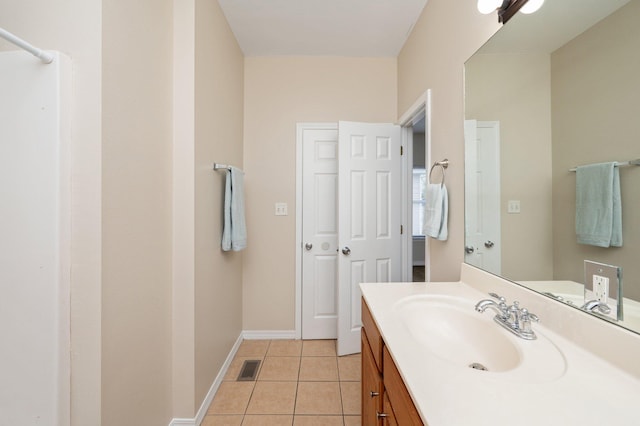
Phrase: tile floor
(299, 383)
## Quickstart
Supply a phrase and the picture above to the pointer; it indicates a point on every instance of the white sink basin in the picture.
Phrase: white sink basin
(449, 328)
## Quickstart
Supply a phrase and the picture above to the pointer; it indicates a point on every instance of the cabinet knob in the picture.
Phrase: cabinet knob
(381, 415)
(374, 394)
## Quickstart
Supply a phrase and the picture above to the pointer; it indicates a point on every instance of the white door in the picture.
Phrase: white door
(320, 233)
(482, 194)
(370, 173)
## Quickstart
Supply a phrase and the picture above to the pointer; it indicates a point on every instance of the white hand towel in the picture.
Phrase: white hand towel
(436, 211)
(234, 233)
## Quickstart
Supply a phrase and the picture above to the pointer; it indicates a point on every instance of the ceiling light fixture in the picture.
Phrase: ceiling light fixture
(507, 8)
(532, 6)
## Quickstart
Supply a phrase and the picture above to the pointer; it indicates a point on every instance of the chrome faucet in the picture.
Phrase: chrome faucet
(513, 318)
(596, 306)
(500, 308)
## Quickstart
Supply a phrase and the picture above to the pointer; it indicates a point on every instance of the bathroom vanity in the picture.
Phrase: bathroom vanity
(428, 357)
(383, 391)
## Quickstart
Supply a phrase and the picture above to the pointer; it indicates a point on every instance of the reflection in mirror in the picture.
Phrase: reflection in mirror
(549, 92)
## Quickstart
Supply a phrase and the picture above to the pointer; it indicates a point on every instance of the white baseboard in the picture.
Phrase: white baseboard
(268, 334)
(212, 390)
(183, 422)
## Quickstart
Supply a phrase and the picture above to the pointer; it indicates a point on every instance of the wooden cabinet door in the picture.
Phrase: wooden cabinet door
(389, 418)
(371, 385)
(399, 397)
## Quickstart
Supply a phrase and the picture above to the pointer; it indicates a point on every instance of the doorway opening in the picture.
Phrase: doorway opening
(418, 186)
(416, 125)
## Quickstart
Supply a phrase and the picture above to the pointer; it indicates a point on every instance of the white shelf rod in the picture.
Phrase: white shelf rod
(45, 57)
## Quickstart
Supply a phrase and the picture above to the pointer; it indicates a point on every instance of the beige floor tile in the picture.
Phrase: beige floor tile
(280, 368)
(253, 348)
(267, 420)
(221, 420)
(285, 348)
(318, 369)
(352, 421)
(319, 348)
(351, 403)
(318, 398)
(350, 367)
(236, 365)
(273, 398)
(231, 398)
(317, 421)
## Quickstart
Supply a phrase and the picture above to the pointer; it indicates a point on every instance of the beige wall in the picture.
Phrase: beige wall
(136, 214)
(280, 92)
(55, 26)
(446, 34)
(515, 90)
(219, 80)
(208, 126)
(595, 102)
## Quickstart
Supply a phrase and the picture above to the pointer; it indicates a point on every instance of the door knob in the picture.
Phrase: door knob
(488, 244)
(469, 249)
(308, 246)
(346, 251)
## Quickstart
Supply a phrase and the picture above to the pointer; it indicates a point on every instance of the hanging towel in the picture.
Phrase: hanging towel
(436, 211)
(598, 205)
(234, 233)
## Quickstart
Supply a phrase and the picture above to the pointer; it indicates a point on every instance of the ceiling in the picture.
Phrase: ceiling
(372, 28)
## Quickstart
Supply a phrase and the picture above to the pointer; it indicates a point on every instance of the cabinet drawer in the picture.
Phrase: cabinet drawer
(373, 335)
(403, 407)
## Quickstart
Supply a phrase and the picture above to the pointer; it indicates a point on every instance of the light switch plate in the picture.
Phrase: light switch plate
(281, 209)
(513, 206)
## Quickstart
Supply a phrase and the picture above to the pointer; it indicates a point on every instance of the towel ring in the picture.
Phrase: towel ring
(443, 165)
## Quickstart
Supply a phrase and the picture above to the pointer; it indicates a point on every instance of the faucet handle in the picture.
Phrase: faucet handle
(528, 316)
(502, 300)
(525, 322)
(496, 296)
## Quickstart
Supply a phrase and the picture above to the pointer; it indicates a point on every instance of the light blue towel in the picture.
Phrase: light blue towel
(234, 233)
(436, 211)
(598, 205)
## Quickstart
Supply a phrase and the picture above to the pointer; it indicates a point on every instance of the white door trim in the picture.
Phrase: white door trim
(422, 104)
(300, 128)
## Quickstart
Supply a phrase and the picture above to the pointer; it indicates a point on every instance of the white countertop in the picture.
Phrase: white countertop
(589, 391)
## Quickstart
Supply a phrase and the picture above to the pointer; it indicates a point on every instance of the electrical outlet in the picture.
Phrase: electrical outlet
(601, 288)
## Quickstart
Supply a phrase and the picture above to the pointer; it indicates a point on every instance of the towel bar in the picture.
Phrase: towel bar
(635, 162)
(217, 166)
(443, 165)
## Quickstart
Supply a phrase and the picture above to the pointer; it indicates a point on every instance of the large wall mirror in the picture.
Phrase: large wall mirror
(548, 92)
